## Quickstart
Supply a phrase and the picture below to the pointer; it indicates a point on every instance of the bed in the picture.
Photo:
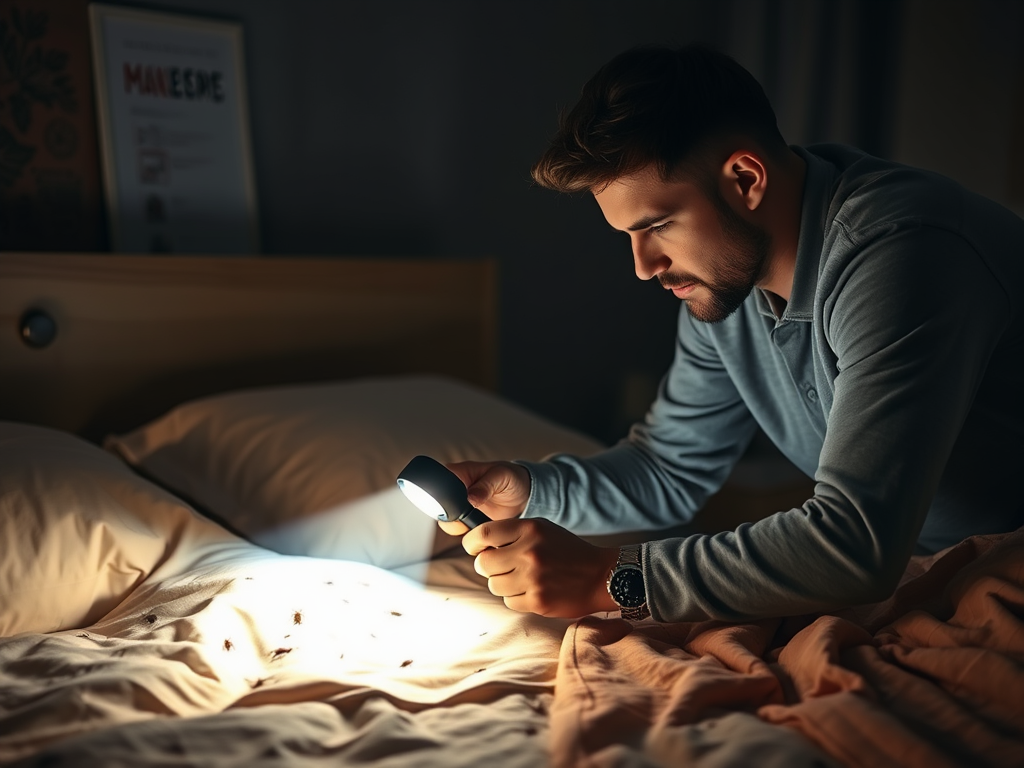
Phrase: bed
(206, 560)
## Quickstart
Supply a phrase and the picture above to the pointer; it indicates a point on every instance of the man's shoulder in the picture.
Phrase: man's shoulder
(870, 194)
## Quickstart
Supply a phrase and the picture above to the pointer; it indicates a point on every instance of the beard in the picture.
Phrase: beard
(735, 268)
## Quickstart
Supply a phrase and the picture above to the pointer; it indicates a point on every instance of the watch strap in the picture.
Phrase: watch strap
(630, 555)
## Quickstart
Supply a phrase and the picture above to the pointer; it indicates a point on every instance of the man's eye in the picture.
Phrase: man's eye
(659, 228)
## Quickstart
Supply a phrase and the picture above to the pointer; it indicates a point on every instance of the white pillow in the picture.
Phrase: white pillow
(310, 470)
(78, 530)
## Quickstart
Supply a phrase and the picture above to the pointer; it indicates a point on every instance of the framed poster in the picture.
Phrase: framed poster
(174, 132)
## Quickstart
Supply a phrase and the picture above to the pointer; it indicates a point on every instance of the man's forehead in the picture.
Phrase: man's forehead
(640, 196)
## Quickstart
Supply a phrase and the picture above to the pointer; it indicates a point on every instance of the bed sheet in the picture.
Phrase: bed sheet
(234, 655)
(250, 657)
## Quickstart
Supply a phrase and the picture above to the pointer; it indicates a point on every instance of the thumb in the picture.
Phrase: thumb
(453, 529)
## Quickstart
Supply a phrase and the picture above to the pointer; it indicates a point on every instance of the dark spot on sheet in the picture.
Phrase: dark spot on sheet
(279, 653)
(530, 730)
(248, 578)
(151, 618)
(329, 583)
(396, 613)
(482, 669)
(342, 656)
(482, 634)
(82, 634)
(259, 682)
(407, 662)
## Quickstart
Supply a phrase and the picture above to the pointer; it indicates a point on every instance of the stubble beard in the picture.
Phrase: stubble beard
(735, 269)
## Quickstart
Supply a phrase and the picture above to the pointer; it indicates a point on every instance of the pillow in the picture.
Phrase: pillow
(78, 530)
(310, 470)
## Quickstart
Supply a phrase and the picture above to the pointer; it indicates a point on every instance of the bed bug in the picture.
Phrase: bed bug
(406, 663)
(297, 617)
(259, 682)
(396, 613)
(228, 645)
(279, 653)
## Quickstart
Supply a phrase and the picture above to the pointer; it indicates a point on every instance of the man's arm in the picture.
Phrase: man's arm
(909, 361)
(661, 475)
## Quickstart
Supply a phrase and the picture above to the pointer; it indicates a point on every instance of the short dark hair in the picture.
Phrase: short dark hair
(654, 106)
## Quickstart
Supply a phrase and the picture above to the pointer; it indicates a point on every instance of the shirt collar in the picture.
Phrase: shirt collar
(814, 210)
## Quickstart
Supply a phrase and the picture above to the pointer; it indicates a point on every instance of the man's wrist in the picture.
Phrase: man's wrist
(626, 583)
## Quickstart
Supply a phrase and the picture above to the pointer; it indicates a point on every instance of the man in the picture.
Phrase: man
(866, 315)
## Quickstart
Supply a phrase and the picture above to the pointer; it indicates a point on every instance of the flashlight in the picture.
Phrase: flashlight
(438, 492)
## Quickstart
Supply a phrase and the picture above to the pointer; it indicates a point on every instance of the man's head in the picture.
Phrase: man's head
(675, 145)
(660, 108)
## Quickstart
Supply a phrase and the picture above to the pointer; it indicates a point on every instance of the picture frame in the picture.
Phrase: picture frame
(174, 132)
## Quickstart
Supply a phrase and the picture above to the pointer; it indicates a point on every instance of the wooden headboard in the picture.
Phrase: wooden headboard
(136, 335)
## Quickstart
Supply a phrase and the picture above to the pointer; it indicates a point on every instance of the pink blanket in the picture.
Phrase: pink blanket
(932, 677)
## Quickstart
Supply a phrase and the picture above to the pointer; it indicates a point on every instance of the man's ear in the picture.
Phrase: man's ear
(744, 179)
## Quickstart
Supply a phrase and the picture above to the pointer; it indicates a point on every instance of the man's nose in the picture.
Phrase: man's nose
(648, 261)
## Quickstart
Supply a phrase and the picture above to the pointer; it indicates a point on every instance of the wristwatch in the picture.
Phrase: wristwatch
(626, 584)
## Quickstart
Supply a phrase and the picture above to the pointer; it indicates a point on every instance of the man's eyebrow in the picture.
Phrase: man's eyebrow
(645, 222)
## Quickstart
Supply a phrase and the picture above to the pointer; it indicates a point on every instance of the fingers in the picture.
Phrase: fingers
(491, 562)
(536, 566)
(500, 489)
(492, 535)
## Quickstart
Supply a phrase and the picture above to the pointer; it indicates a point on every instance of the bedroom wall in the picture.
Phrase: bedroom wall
(407, 127)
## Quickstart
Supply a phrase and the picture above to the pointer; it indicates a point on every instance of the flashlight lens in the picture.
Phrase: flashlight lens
(427, 503)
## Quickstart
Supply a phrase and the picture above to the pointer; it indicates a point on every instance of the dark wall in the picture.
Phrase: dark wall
(409, 127)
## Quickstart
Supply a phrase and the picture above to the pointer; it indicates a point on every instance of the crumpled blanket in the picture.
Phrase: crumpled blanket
(932, 677)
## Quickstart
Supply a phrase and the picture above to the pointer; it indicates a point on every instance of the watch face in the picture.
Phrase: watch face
(627, 587)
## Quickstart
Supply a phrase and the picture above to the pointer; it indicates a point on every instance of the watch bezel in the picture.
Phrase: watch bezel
(635, 594)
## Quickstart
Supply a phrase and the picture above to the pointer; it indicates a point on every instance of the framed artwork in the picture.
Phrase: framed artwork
(50, 191)
(174, 132)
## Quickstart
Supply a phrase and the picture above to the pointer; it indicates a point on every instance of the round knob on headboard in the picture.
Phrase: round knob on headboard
(38, 329)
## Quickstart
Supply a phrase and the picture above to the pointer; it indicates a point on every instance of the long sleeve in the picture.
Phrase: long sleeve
(893, 377)
(661, 475)
(908, 371)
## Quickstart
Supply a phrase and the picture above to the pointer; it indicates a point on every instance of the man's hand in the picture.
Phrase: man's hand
(499, 489)
(539, 567)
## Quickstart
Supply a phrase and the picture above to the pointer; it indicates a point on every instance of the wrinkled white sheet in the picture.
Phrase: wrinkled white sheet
(247, 657)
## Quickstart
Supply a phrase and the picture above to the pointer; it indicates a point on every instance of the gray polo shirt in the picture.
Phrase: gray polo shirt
(894, 378)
